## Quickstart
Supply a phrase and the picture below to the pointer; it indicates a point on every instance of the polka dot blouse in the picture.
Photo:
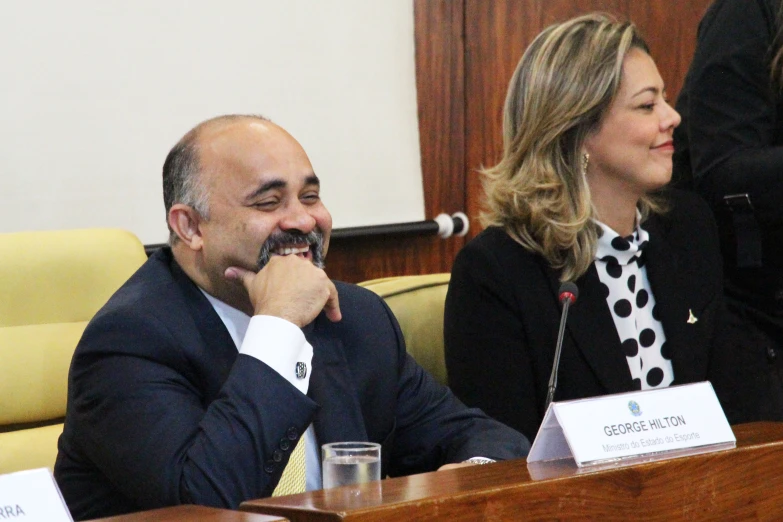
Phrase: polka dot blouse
(620, 264)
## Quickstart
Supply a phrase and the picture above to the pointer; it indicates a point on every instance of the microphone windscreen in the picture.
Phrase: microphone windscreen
(569, 287)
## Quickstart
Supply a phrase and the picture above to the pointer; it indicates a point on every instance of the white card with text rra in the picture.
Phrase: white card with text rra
(32, 496)
(667, 422)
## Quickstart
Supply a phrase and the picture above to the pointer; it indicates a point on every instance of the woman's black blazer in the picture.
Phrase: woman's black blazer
(502, 316)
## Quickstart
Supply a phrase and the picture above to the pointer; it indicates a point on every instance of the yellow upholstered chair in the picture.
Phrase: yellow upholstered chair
(418, 302)
(51, 284)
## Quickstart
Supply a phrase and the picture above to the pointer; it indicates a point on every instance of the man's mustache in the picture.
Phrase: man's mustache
(314, 239)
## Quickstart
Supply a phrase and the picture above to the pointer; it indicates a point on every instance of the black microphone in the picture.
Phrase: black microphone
(567, 295)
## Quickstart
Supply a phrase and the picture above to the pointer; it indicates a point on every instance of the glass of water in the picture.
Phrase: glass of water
(346, 463)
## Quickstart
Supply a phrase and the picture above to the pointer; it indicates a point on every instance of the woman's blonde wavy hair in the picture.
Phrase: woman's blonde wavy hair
(560, 91)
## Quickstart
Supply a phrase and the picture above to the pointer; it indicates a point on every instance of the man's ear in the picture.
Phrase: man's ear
(186, 223)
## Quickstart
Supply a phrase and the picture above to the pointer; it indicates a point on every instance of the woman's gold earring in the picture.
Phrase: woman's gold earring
(585, 161)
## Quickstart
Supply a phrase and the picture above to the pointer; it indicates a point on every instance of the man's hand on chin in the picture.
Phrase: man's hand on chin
(291, 288)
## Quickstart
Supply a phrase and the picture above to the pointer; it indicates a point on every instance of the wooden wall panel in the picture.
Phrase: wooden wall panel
(441, 101)
(561, 10)
(496, 34)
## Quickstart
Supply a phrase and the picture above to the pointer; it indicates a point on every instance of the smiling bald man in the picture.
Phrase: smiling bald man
(199, 377)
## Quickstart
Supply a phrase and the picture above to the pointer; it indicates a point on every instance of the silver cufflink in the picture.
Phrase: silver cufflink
(301, 370)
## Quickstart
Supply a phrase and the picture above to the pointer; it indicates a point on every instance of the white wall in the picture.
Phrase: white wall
(93, 94)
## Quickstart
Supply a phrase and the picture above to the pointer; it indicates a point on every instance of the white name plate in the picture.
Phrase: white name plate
(32, 496)
(668, 422)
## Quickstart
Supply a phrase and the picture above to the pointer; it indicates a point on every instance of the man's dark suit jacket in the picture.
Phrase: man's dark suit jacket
(502, 317)
(162, 409)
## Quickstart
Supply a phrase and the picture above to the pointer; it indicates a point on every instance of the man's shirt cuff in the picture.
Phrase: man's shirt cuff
(480, 460)
(282, 346)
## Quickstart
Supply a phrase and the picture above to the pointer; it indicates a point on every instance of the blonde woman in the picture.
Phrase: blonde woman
(577, 197)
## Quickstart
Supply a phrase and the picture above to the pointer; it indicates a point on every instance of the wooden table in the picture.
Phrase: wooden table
(192, 514)
(741, 483)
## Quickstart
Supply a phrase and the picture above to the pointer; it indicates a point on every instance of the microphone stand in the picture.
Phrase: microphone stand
(567, 296)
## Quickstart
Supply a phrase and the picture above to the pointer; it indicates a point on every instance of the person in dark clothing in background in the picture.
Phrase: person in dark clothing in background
(729, 148)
